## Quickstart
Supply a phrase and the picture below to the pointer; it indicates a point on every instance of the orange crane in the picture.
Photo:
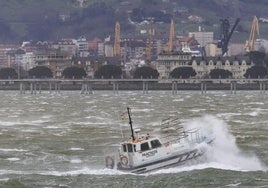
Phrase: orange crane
(171, 37)
(117, 40)
(249, 46)
(150, 43)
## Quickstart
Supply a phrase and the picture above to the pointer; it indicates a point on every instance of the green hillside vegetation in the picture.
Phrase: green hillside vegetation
(55, 19)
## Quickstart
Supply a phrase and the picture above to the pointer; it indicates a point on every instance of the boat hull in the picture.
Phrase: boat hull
(164, 163)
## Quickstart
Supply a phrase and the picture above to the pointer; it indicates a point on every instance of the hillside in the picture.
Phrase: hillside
(55, 19)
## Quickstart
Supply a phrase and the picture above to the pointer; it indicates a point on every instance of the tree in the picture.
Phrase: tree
(108, 71)
(220, 73)
(256, 72)
(40, 72)
(6, 73)
(74, 72)
(266, 61)
(145, 72)
(182, 72)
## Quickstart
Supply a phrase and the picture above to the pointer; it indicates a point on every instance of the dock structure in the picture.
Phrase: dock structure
(263, 86)
(35, 86)
(145, 87)
(115, 87)
(203, 87)
(233, 87)
(174, 87)
(86, 88)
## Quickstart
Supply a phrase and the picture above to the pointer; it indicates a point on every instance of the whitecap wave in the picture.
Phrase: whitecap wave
(4, 179)
(12, 150)
(13, 159)
(77, 149)
(83, 171)
(75, 161)
(254, 113)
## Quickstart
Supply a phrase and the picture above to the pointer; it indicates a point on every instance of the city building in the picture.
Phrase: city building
(5, 52)
(93, 45)
(66, 45)
(236, 49)
(203, 38)
(236, 66)
(101, 50)
(212, 50)
(18, 63)
(28, 61)
(82, 46)
(108, 49)
(133, 49)
(185, 42)
(167, 61)
(90, 64)
(56, 60)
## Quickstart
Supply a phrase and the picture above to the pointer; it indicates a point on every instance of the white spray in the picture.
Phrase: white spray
(224, 153)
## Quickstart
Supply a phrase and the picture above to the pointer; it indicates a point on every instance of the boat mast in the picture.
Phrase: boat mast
(130, 123)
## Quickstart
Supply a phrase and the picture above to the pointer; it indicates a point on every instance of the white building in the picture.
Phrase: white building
(108, 50)
(237, 67)
(101, 51)
(167, 62)
(28, 61)
(82, 46)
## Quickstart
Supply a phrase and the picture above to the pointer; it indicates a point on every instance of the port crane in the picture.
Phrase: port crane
(149, 44)
(171, 36)
(249, 46)
(226, 35)
(117, 40)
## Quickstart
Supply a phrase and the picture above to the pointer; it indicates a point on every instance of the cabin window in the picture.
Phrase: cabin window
(145, 146)
(129, 148)
(124, 148)
(155, 143)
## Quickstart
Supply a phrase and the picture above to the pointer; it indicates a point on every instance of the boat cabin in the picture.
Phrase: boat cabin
(141, 145)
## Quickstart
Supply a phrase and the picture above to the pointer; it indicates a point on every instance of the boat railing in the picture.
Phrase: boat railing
(174, 138)
(180, 139)
(177, 133)
(194, 135)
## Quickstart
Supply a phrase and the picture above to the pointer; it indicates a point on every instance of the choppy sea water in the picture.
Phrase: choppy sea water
(60, 140)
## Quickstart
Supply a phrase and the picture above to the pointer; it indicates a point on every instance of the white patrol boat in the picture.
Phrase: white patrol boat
(141, 154)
